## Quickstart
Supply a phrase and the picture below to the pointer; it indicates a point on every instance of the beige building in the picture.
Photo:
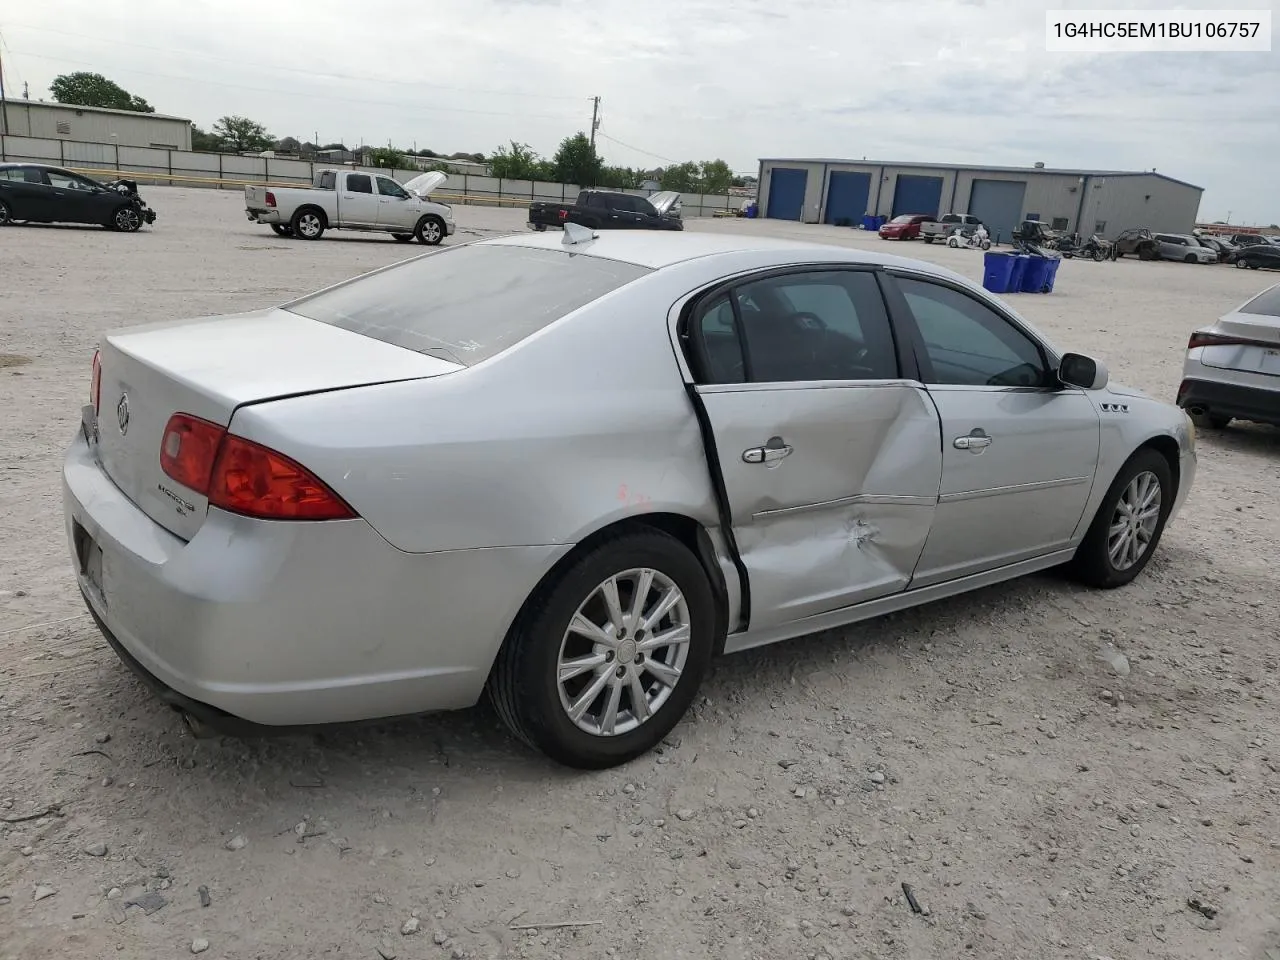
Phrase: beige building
(63, 121)
(1106, 202)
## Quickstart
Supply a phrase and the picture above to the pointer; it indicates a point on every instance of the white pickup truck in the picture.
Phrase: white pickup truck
(944, 226)
(354, 200)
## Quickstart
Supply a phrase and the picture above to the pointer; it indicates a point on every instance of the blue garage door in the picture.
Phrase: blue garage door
(917, 195)
(847, 197)
(998, 204)
(786, 193)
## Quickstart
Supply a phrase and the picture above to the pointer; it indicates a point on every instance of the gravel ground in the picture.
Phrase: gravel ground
(1038, 803)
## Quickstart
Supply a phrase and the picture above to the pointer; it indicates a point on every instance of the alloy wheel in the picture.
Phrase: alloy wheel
(624, 652)
(1135, 520)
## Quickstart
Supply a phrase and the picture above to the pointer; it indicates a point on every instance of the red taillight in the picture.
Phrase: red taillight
(244, 477)
(250, 479)
(1202, 339)
(271, 199)
(188, 450)
(95, 383)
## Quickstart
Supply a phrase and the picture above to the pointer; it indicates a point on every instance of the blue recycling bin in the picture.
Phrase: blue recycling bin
(1035, 275)
(1019, 271)
(881, 221)
(752, 210)
(997, 270)
(869, 223)
(1054, 264)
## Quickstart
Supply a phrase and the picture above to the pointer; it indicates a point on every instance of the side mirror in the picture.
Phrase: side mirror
(1077, 370)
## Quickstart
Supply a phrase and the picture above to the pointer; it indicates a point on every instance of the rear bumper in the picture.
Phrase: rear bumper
(1231, 400)
(263, 216)
(289, 624)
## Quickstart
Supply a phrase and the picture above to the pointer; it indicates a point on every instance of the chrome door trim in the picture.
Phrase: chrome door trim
(867, 498)
(1013, 488)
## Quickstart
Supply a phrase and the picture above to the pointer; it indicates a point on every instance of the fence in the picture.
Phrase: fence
(229, 170)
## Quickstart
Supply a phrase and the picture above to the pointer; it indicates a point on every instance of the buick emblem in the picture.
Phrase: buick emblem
(122, 413)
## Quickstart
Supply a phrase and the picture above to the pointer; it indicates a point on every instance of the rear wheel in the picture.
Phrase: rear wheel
(1146, 253)
(402, 237)
(307, 224)
(282, 230)
(430, 230)
(1099, 255)
(6, 215)
(1128, 524)
(930, 240)
(606, 659)
(1213, 421)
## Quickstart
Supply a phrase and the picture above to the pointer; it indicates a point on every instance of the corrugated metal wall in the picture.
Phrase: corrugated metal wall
(28, 119)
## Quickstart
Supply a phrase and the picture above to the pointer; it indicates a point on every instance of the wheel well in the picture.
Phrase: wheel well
(1167, 447)
(685, 529)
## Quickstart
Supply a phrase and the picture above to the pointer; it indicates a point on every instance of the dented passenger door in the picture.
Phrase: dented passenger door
(830, 457)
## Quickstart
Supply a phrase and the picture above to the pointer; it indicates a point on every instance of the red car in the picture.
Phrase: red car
(904, 227)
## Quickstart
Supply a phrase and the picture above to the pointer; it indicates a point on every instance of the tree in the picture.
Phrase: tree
(387, 157)
(577, 161)
(94, 90)
(683, 177)
(717, 176)
(517, 162)
(204, 142)
(240, 134)
(288, 145)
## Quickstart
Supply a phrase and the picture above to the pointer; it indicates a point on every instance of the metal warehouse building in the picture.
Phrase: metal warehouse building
(841, 192)
(64, 121)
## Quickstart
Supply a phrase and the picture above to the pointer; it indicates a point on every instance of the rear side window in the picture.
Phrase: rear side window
(1266, 304)
(467, 303)
(359, 183)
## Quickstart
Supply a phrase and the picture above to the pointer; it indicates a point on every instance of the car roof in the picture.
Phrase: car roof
(656, 249)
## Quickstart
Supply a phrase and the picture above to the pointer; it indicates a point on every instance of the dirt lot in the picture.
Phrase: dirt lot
(1039, 804)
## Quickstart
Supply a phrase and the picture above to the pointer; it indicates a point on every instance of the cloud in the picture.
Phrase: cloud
(942, 81)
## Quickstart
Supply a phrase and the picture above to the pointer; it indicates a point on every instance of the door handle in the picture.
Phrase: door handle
(771, 452)
(976, 441)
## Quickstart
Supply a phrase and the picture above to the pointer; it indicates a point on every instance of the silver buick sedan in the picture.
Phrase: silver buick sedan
(568, 469)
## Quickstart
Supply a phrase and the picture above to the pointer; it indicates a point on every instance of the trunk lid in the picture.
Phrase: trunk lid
(208, 368)
(1261, 356)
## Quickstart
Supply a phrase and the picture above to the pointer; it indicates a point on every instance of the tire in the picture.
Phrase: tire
(402, 237)
(525, 686)
(1146, 253)
(1210, 421)
(986, 244)
(6, 215)
(1093, 563)
(307, 223)
(952, 242)
(1098, 256)
(126, 219)
(430, 230)
(1241, 264)
(1189, 258)
(282, 230)
(930, 240)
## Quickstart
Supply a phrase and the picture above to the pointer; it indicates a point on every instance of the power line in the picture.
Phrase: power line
(647, 153)
(365, 101)
(305, 73)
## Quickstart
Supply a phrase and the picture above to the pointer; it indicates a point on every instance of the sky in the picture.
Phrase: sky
(947, 81)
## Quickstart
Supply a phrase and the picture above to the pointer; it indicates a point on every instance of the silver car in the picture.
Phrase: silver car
(1178, 246)
(1232, 366)
(569, 469)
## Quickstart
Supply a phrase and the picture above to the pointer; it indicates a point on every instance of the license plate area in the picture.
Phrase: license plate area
(89, 558)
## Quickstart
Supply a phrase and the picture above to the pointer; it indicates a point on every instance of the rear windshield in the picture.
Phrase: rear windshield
(1267, 303)
(467, 303)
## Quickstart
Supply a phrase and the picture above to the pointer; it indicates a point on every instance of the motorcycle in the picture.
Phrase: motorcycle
(971, 240)
(1095, 248)
(129, 188)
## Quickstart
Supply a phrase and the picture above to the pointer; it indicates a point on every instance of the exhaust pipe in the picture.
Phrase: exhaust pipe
(1197, 410)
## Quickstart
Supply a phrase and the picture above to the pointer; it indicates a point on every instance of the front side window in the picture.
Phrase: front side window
(821, 325)
(967, 343)
(359, 183)
(389, 188)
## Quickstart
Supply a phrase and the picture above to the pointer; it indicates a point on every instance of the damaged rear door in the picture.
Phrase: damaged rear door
(830, 457)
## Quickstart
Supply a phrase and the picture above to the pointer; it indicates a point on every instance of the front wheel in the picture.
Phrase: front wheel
(127, 219)
(986, 244)
(1099, 256)
(430, 230)
(6, 215)
(952, 242)
(1189, 258)
(1128, 524)
(606, 659)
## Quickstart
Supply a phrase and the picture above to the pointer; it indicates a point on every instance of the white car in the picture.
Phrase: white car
(1232, 368)
(1180, 246)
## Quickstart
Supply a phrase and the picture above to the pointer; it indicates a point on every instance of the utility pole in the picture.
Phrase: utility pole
(595, 120)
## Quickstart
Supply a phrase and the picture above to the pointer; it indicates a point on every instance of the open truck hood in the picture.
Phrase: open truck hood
(666, 202)
(423, 184)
